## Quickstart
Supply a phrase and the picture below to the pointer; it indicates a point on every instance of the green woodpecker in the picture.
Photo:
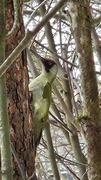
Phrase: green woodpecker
(41, 92)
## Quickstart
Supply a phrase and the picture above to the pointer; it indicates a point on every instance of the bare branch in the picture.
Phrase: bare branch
(22, 45)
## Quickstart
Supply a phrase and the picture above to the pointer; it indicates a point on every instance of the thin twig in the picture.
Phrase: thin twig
(33, 13)
(72, 64)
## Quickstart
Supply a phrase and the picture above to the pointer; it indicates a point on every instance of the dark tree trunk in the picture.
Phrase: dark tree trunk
(18, 98)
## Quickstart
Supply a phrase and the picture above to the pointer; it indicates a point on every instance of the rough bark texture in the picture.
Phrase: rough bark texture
(91, 120)
(92, 133)
(5, 147)
(18, 97)
(82, 32)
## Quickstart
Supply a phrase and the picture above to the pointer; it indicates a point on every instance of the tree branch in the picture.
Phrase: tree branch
(16, 52)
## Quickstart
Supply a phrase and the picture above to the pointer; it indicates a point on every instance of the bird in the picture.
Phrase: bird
(41, 89)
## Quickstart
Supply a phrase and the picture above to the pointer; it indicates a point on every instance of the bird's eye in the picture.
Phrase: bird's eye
(50, 63)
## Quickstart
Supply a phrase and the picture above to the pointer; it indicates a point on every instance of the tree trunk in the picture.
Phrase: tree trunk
(5, 146)
(18, 98)
(90, 122)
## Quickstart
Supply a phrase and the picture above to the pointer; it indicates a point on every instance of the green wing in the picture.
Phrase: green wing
(41, 114)
(47, 92)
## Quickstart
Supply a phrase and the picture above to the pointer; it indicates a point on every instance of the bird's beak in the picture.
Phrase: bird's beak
(38, 56)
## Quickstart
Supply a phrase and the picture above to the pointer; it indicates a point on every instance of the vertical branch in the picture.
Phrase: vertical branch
(6, 164)
(51, 152)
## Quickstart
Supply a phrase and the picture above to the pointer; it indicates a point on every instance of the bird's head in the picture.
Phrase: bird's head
(49, 67)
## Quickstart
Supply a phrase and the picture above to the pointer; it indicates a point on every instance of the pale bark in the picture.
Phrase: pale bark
(90, 122)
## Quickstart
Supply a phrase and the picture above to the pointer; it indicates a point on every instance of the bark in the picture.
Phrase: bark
(18, 98)
(90, 122)
(5, 147)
